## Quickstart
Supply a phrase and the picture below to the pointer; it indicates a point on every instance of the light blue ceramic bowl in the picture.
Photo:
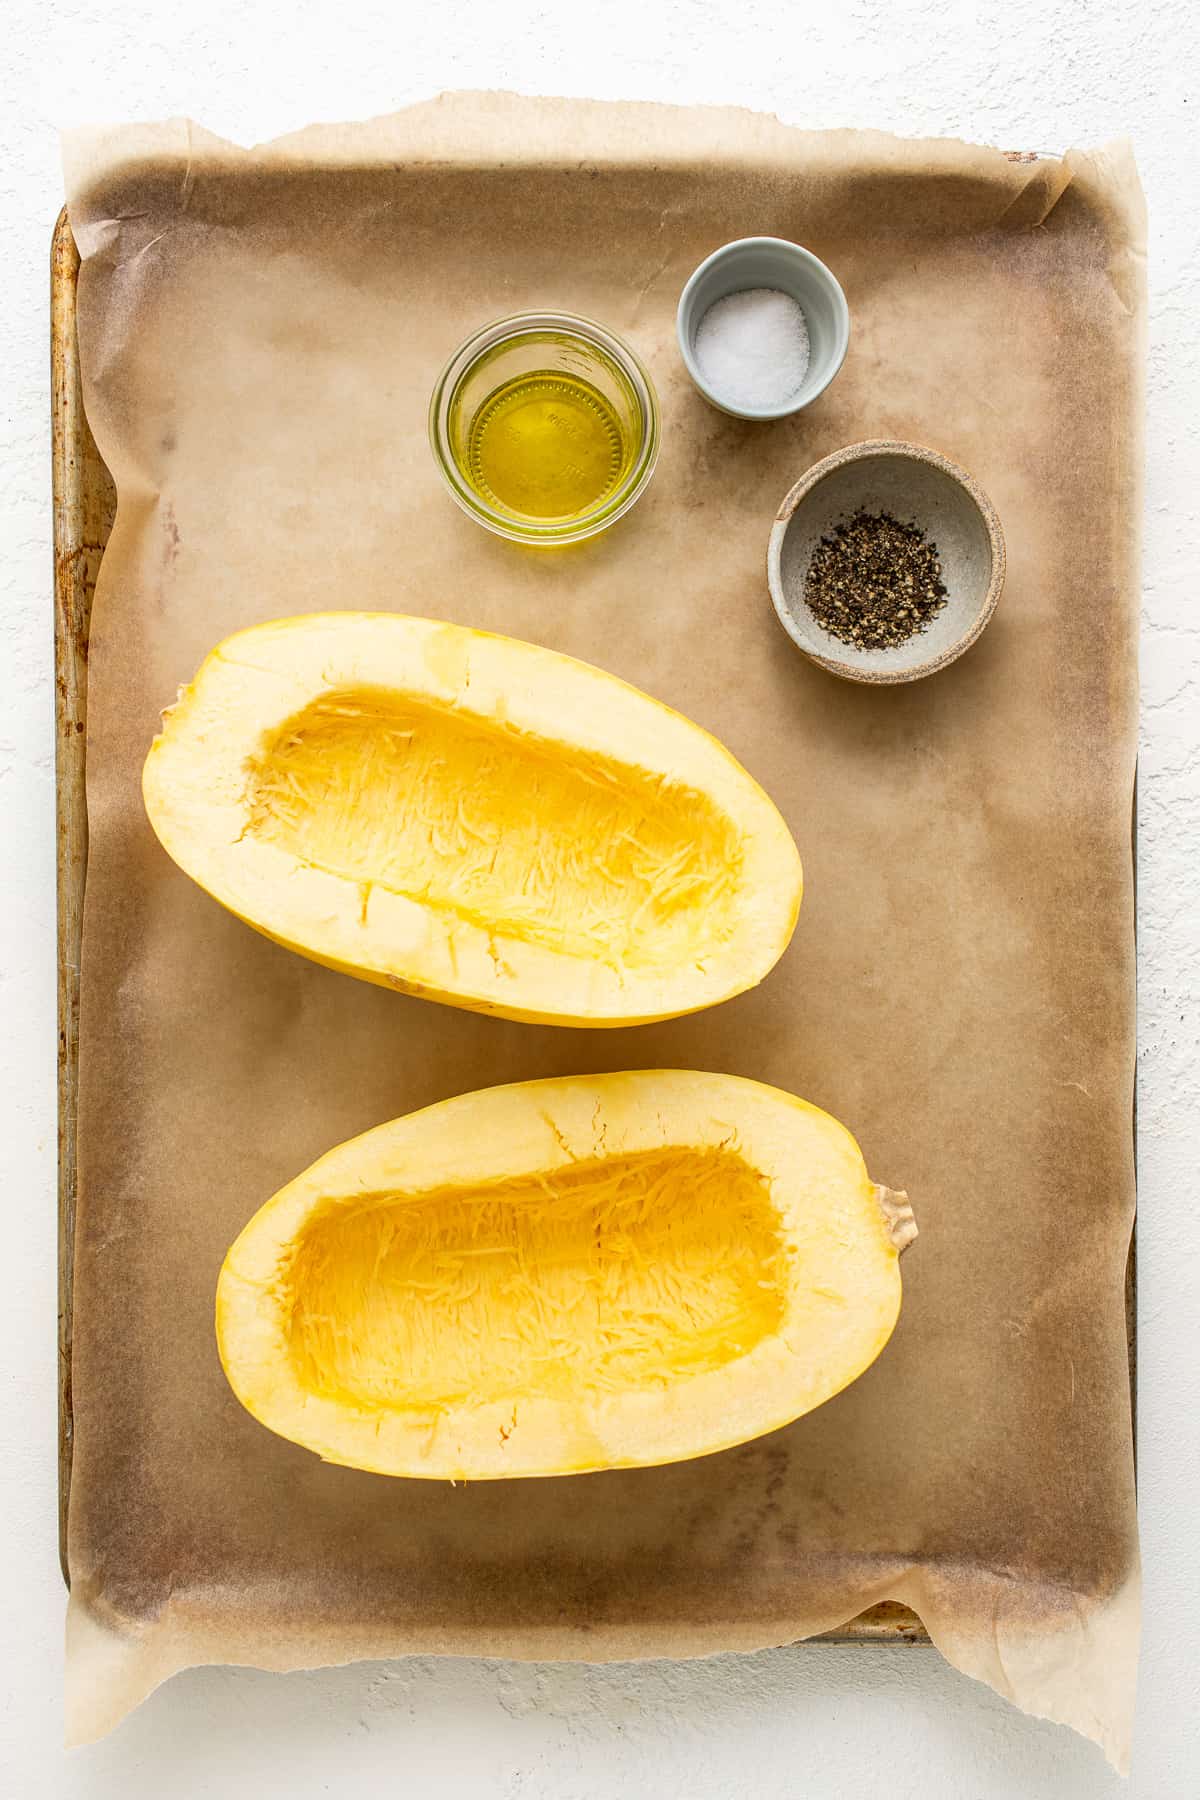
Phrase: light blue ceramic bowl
(766, 262)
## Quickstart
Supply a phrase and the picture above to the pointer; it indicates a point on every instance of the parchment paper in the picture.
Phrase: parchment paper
(260, 332)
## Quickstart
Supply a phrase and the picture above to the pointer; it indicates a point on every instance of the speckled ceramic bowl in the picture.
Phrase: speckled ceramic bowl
(912, 483)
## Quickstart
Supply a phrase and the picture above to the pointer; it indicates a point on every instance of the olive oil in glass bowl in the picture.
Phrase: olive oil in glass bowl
(545, 427)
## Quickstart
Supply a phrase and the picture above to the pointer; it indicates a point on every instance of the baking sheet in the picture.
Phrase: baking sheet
(259, 334)
(84, 504)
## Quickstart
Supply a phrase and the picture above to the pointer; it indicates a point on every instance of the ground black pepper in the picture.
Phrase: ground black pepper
(873, 582)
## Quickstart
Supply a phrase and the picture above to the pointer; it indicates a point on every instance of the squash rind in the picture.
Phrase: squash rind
(203, 779)
(839, 1300)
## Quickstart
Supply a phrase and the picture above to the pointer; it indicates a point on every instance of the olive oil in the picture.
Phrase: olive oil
(547, 445)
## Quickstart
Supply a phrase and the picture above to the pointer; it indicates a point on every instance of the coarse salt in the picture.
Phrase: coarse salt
(752, 348)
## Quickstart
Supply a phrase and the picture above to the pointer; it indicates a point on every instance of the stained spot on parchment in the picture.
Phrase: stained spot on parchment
(171, 538)
(168, 554)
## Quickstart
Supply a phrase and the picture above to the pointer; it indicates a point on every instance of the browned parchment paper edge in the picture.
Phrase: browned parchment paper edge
(435, 150)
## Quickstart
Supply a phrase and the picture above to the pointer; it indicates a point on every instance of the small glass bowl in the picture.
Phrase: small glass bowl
(529, 343)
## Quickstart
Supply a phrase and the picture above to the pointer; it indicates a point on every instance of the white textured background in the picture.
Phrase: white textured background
(820, 1722)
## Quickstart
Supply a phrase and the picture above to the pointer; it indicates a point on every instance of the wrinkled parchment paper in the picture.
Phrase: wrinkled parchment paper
(260, 331)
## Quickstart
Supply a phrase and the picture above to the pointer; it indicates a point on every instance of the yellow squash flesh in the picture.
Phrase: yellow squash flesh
(472, 819)
(564, 1275)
